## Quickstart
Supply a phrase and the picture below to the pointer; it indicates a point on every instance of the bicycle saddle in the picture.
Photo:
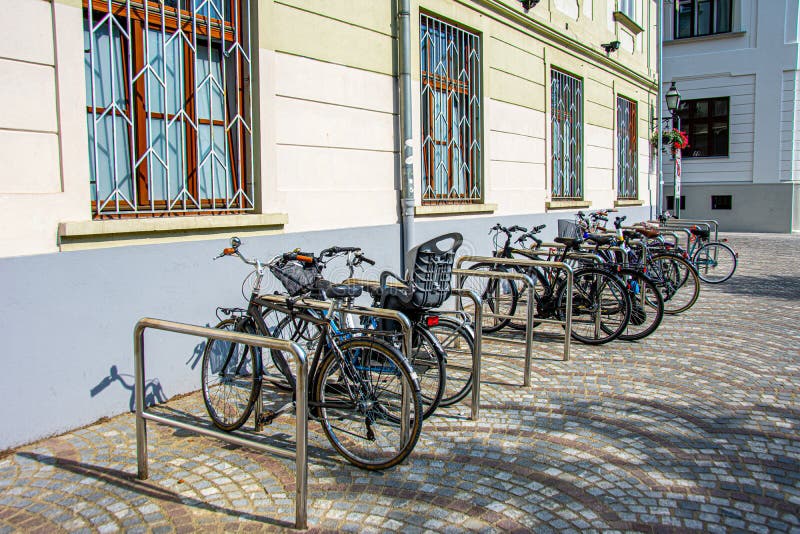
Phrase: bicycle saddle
(601, 239)
(649, 233)
(569, 242)
(702, 233)
(341, 291)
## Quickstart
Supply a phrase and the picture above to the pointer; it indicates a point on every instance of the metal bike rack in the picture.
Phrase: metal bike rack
(300, 455)
(477, 346)
(275, 301)
(531, 308)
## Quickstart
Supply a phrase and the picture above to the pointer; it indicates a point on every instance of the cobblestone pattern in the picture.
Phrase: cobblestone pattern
(694, 428)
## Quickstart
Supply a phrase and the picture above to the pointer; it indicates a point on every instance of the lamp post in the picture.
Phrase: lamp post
(673, 98)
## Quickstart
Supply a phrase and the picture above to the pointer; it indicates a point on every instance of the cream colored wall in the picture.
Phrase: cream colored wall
(326, 97)
(43, 179)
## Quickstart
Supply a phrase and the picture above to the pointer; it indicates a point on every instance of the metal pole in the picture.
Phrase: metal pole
(141, 424)
(676, 190)
(526, 381)
(406, 128)
(660, 51)
(477, 345)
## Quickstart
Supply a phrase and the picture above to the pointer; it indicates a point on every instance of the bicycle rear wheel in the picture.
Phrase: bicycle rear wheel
(715, 262)
(231, 377)
(647, 305)
(499, 296)
(677, 281)
(427, 359)
(600, 306)
(458, 341)
(358, 396)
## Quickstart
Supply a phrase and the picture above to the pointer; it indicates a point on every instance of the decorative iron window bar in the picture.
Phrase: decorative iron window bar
(627, 150)
(168, 91)
(566, 120)
(451, 121)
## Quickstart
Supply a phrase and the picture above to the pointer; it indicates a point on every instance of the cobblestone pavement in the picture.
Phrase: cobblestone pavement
(695, 428)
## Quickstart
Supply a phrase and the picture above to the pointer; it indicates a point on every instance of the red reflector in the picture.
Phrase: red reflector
(433, 320)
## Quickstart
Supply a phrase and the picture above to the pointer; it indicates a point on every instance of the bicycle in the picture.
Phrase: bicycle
(359, 387)
(715, 261)
(427, 357)
(600, 302)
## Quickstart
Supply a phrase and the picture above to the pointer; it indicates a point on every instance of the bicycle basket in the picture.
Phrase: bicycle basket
(296, 277)
(568, 228)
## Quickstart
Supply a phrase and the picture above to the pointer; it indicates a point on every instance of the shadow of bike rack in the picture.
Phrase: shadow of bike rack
(531, 307)
(142, 415)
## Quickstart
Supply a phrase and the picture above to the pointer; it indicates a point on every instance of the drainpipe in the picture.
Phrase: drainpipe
(660, 52)
(406, 131)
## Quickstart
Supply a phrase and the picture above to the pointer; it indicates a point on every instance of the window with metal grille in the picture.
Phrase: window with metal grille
(705, 121)
(450, 61)
(628, 7)
(627, 150)
(566, 120)
(168, 106)
(702, 17)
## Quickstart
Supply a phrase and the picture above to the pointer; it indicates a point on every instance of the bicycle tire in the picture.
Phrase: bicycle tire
(352, 408)
(427, 359)
(498, 296)
(231, 377)
(715, 262)
(458, 341)
(647, 305)
(676, 279)
(600, 305)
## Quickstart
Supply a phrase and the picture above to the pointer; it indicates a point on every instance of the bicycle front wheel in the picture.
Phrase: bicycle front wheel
(359, 395)
(231, 377)
(715, 262)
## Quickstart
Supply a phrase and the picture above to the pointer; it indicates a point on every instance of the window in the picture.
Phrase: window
(671, 202)
(628, 7)
(702, 17)
(705, 121)
(721, 202)
(627, 149)
(451, 104)
(168, 106)
(566, 121)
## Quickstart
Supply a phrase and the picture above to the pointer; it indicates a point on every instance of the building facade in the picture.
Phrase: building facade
(735, 63)
(139, 136)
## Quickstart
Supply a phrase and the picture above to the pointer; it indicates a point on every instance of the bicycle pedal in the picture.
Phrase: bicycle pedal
(268, 417)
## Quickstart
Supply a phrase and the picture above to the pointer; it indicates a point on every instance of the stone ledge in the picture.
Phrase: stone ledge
(627, 202)
(628, 22)
(454, 209)
(567, 204)
(83, 229)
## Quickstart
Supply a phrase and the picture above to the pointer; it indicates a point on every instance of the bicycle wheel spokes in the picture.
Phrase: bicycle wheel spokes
(499, 297)
(600, 306)
(677, 281)
(361, 407)
(458, 342)
(427, 360)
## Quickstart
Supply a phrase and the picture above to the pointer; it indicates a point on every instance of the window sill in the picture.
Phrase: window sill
(453, 209)
(712, 37)
(622, 202)
(628, 22)
(92, 234)
(566, 204)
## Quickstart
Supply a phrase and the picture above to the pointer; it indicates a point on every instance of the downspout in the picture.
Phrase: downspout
(660, 153)
(406, 131)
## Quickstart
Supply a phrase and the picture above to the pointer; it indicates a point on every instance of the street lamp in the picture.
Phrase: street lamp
(673, 98)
